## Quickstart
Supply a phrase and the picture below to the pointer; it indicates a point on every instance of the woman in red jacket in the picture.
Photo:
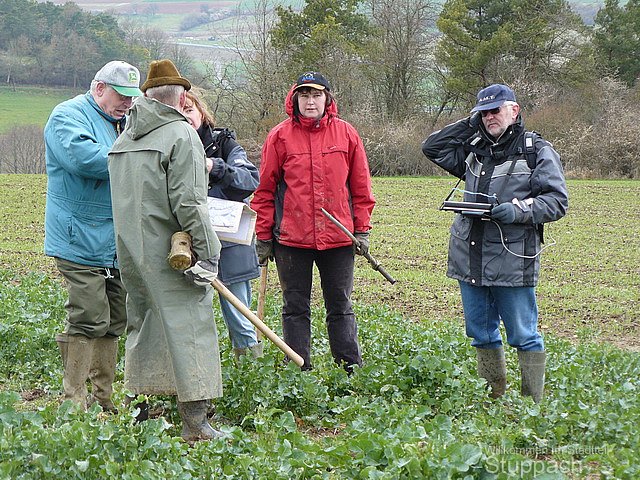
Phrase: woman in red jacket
(310, 161)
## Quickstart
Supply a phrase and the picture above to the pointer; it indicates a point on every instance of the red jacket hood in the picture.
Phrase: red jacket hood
(330, 112)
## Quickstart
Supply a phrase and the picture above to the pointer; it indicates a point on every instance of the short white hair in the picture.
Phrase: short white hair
(167, 94)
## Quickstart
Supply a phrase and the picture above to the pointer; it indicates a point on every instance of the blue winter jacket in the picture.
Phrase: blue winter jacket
(233, 177)
(78, 217)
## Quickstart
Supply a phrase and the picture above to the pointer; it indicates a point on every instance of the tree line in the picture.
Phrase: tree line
(400, 68)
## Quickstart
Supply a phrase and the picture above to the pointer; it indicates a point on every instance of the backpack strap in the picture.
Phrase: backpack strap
(530, 153)
(528, 150)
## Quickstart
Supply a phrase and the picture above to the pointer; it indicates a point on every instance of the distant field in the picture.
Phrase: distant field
(29, 105)
(590, 281)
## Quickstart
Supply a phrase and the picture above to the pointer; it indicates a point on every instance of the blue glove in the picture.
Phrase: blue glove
(509, 213)
(218, 169)
(203, 272)
(475, 120)
(504, 213)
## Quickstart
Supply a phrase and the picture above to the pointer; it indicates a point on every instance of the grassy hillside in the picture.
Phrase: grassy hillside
(29, 105)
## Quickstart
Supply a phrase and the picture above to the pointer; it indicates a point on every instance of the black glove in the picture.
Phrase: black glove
(509, 213)
(203, 272)
(264, 249)
(475, 120)
(218, 169)
(363, 239)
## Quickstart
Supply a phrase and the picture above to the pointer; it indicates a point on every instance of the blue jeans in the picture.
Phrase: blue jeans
(241, 330)
(484, 307)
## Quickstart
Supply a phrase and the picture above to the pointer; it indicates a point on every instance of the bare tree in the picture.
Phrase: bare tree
(22, 150)
(398, 62)
(155, 42)
(249, 88)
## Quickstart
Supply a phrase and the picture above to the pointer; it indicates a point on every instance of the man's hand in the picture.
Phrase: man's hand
(217, 170)
(509, 213)
(264, 249)
(363, 240)
(475, 120)
(203, 272)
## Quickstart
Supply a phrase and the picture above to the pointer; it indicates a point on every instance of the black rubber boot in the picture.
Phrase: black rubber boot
(195, 426)
(493, 368)
(143, 407)
(532, 365)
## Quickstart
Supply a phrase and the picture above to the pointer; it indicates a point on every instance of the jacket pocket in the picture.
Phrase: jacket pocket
(459, 246)
(503, 252)
(461, 227)
(238, 263)
(91, 238)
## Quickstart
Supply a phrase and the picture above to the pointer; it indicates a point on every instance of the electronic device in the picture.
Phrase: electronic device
(475, 209)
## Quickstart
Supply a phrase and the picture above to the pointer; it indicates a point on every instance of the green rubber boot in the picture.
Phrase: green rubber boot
(76, 352)
(239, 352)
(103, 371)
(493, 368)
(532, 366)
(257, 350)
(195, 426)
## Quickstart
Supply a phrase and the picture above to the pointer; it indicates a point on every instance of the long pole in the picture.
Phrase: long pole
(262, 293)
(372, 261)
(259, 324)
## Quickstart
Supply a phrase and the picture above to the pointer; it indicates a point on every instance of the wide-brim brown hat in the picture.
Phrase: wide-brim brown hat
(164, 72)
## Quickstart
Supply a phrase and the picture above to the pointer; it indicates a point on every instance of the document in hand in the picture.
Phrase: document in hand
(233, 221)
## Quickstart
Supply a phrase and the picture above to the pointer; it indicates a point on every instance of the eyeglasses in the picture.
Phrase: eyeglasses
(493, 111)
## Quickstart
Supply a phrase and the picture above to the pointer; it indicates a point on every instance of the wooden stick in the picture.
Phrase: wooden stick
(180, 255)
(259, 324)
(262, 293)
(180, 259)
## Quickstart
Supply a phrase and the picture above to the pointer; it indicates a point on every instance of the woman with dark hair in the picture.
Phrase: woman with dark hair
(310, 161)
(231, 177)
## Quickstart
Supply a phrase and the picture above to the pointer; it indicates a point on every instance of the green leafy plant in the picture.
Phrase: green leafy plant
(416, 409)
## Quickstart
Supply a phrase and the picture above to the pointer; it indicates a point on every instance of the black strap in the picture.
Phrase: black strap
(504, 184)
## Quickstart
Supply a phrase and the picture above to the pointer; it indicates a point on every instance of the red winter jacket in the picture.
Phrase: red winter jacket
(308, 165)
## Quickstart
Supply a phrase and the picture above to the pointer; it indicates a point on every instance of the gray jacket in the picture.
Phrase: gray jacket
(485, 252)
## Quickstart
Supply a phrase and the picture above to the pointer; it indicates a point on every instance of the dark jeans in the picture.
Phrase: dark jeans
(295, 270)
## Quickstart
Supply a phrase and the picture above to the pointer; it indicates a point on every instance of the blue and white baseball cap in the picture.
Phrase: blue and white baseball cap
(493, 96)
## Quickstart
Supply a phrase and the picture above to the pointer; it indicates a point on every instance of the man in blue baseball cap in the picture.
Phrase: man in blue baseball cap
(496, 260)
(498, 108)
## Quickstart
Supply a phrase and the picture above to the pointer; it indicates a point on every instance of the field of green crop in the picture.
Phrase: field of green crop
(28, 105)
(415, 410)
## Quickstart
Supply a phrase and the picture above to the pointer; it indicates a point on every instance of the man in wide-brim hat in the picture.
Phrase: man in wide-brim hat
(159, 187)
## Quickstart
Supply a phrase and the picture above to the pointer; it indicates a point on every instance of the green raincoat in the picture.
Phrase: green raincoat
(159, 187)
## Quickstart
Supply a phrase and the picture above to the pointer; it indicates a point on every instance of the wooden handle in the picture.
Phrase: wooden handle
(262, 293)
(259, 324)
(180, 256)
(180, 259)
